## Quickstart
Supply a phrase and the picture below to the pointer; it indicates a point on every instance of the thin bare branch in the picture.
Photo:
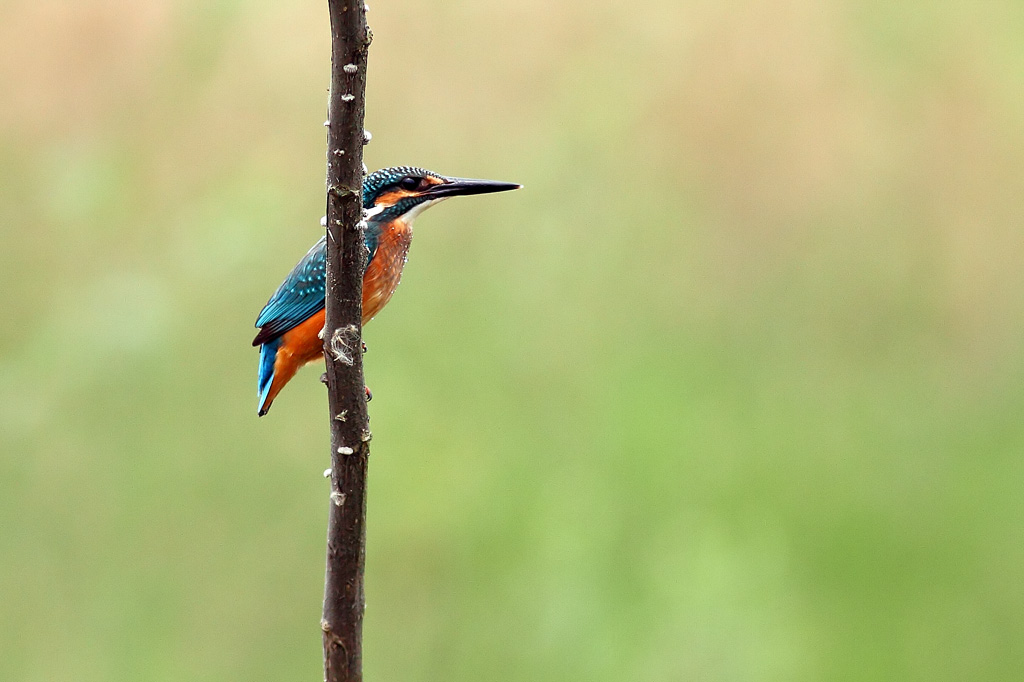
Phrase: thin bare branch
(346, 260)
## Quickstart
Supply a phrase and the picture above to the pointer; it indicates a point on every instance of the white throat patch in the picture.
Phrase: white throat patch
(411, 214)
(370, 212)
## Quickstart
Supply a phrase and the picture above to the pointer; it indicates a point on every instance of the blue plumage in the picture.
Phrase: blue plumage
(268, 354)
(300, 295)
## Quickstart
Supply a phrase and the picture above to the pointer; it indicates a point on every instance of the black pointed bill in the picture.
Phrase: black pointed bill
(458, 187)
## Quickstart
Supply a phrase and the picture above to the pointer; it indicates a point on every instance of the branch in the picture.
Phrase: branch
(346, 260)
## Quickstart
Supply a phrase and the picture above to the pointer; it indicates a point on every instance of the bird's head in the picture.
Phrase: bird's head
(405, 192)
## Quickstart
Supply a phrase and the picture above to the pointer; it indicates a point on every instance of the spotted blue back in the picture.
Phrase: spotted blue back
(301, 294)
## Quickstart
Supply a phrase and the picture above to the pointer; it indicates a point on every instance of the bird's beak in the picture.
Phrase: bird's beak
(457, 187)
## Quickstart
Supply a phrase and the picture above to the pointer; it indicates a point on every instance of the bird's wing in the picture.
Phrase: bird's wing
(301, 294)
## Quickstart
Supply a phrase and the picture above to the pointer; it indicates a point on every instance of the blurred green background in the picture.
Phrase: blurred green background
(731, 391)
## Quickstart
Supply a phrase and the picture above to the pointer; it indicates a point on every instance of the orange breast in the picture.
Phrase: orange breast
(385, 272)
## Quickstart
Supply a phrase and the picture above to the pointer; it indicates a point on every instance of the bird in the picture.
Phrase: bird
(291, 322)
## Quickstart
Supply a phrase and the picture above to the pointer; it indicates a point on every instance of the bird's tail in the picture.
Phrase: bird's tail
(268, 356)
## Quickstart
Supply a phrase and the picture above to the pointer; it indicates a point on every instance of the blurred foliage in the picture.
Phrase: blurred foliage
(731, 391)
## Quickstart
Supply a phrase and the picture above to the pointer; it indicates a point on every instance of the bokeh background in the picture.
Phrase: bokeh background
(731, 391)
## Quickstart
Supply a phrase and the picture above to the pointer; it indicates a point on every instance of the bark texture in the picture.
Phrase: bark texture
(346, 261)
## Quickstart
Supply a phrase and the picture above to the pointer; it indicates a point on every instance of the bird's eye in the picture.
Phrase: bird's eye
(409, 183)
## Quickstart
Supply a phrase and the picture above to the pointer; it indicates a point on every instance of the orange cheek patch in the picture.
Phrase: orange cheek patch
(393, 196)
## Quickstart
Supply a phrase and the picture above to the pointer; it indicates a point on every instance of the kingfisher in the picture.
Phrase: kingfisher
(290, 324)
